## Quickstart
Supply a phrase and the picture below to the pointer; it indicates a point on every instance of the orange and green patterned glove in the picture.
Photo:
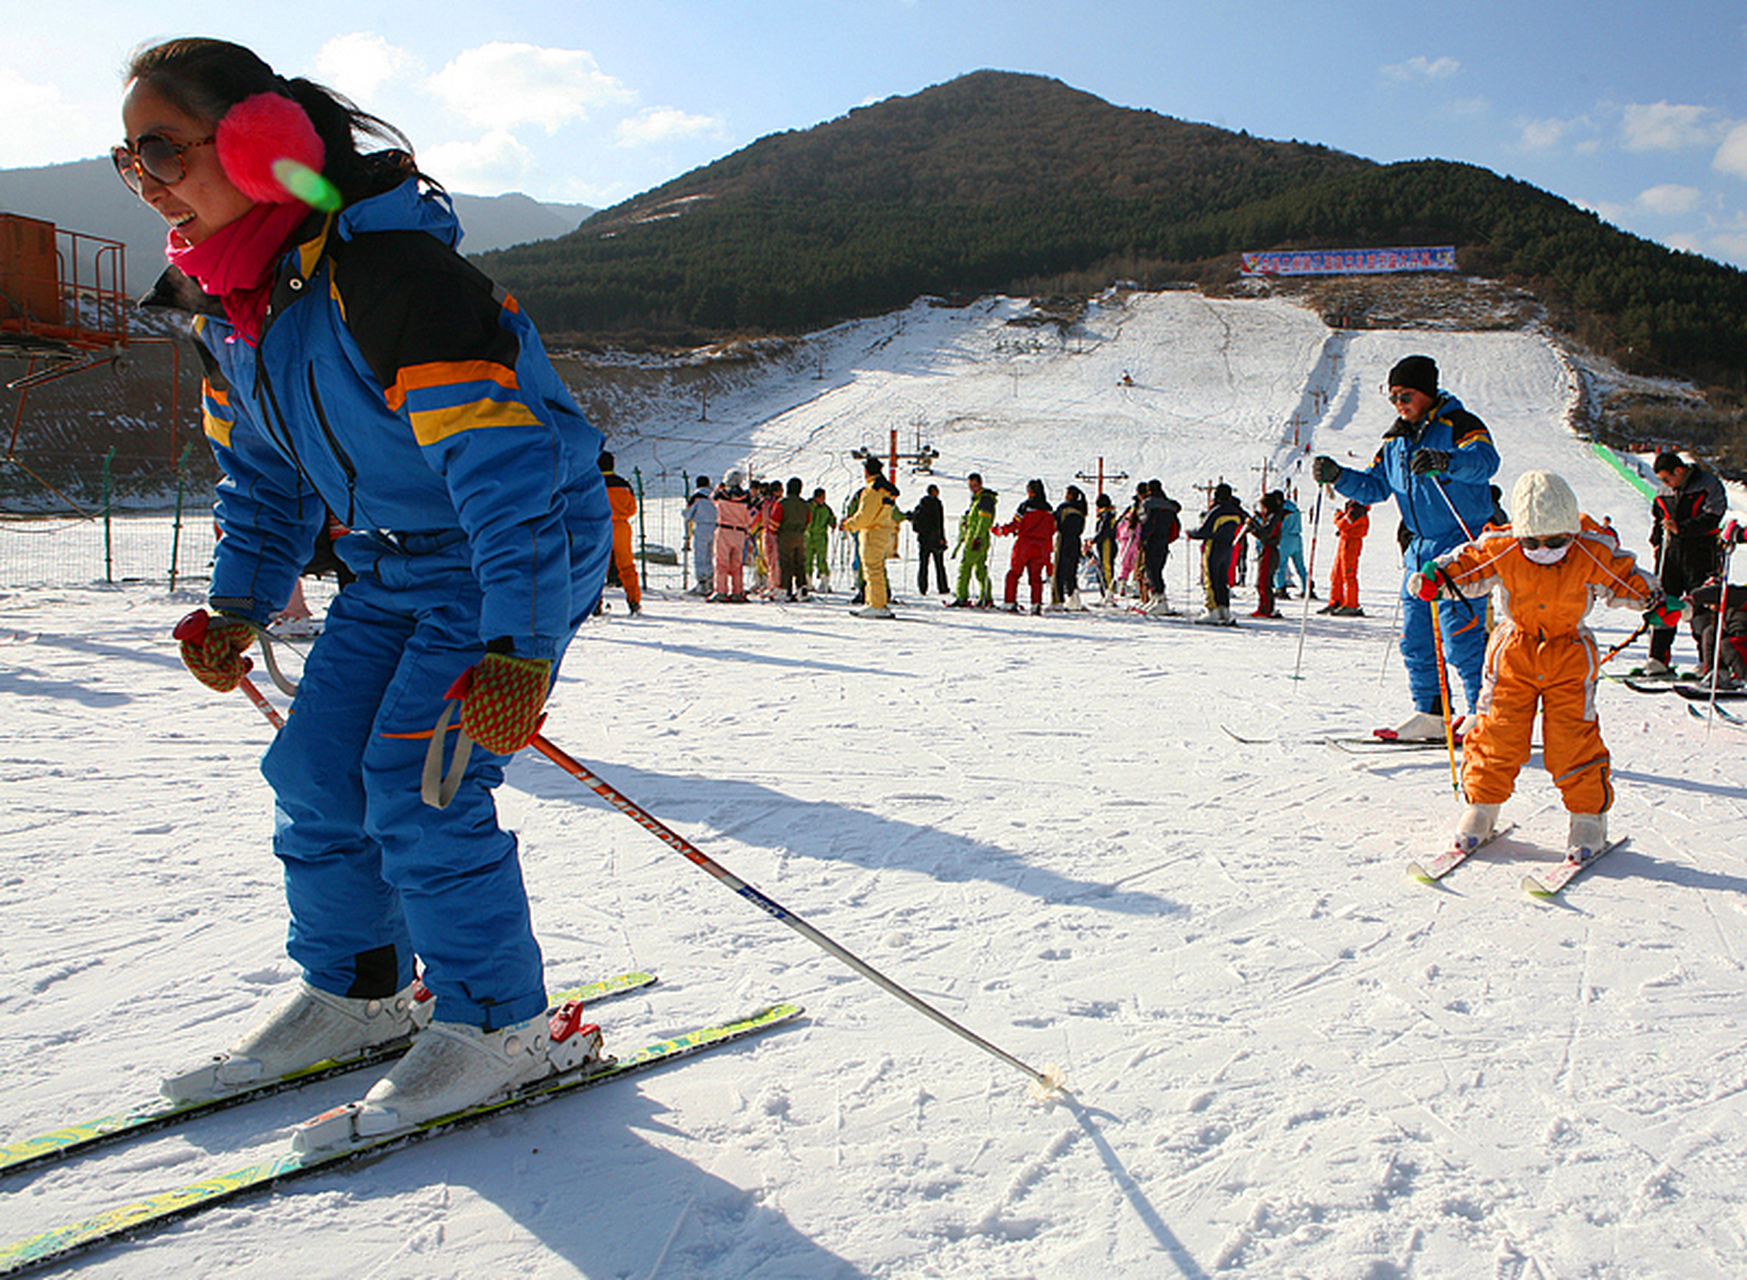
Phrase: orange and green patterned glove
(501, 700)
(215, 648)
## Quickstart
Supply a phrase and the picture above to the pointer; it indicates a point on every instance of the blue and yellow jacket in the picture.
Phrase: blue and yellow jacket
(1433, 526)
(397, 386)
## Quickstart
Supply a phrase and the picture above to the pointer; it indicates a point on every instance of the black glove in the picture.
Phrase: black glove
(1429, 462)
(1325, 470)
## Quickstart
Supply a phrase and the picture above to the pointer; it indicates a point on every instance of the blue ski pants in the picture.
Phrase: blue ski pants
(374, 875)
(1464, 628)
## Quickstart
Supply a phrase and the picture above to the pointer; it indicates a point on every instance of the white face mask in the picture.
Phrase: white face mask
(1546, 555)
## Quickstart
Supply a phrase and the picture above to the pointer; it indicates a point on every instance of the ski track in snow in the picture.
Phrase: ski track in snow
(1286, 1058)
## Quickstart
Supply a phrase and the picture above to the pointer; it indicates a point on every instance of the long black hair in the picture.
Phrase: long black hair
(206, 78)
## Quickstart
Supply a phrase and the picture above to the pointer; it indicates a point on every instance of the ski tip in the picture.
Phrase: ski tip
(1535, 889)
(1417, 872)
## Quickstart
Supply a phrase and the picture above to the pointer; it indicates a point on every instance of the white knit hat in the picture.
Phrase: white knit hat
(1542, 504)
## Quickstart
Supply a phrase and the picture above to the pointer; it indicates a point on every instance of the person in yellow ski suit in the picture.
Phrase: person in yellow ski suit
(1549, 570)
(875, 523)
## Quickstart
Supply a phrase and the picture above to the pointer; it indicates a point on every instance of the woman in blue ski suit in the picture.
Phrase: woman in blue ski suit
(360, 365)
(1437, 462)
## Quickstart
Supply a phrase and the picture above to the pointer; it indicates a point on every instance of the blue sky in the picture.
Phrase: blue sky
(1636, 111)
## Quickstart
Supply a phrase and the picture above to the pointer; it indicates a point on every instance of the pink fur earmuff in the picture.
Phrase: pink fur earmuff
(258, 133)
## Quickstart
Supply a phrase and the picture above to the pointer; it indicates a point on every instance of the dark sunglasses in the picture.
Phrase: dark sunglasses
(1552, 541)
(157, 158)
(1402, 397)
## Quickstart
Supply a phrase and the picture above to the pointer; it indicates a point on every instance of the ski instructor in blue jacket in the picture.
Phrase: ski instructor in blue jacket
(1437, 462)
(356, 363)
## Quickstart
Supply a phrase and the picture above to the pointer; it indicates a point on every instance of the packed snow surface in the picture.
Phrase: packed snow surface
(1283, 1057)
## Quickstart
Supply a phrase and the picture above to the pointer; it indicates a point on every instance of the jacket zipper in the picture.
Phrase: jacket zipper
(340, 454)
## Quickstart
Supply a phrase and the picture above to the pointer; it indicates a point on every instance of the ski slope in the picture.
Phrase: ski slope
(1284, 1058)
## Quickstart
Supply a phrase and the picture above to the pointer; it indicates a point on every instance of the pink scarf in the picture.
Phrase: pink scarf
(235, 263)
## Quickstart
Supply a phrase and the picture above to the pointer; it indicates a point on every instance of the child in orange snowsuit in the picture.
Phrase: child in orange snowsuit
(1352, 523)
(1549, 571)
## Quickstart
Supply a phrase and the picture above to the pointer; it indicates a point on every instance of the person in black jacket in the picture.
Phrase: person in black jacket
(1218, 530)
(1732, 671)
(1683, 529)
(929, 522)
(1159, 528)
(1070, 528)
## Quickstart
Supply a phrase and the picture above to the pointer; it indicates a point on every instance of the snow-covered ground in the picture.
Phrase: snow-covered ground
(1285, 1058)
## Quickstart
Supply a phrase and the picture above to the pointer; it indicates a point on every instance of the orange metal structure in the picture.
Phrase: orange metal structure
(64, 309)
(63, 297)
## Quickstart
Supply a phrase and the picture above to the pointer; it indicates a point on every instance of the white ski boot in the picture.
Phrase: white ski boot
(1421, 726)
(1587, 836)
(452, 1067)
(314, 1026)
(1476, 826)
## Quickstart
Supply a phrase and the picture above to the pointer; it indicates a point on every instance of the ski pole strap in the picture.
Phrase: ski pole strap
(1443, 573)
(437, 788)
(285, 685)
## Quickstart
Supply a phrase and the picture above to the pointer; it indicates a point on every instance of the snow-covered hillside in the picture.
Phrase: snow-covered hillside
(1285, 1058)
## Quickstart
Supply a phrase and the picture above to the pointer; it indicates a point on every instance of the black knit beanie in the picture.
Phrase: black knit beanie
(1417, 373)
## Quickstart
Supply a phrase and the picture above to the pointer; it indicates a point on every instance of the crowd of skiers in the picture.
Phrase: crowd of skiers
(768, 540)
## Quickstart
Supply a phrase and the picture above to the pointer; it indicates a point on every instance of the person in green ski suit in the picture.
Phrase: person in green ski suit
(973, 543)
(819, 528)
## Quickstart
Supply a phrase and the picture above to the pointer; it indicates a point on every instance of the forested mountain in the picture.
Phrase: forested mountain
(969, 185)
(998, 181)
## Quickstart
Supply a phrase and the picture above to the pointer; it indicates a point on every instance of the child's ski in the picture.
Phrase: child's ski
(1549, 885)
(1435, 869)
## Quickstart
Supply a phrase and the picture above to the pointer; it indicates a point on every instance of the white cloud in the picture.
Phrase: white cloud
(1670, 198)
(1542, 135)
(657, 124)
(1420, 68)
(1667, 126)
(1731, 157)
(491, 165)
(1730, 244)
(360, 63)
(35, 115)
(499, 86)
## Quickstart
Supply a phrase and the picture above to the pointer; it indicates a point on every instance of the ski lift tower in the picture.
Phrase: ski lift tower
(63, 310)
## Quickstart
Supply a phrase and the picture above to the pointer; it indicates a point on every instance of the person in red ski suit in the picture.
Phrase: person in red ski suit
(1265, 528)
(1549, 570)
(1033, 527)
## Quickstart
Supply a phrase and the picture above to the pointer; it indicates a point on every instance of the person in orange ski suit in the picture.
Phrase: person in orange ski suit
(1352, 523)
(623, 499)
(1549, 570)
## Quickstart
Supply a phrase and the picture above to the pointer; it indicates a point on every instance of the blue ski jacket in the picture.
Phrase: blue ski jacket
(1433, 526)
(395, 385)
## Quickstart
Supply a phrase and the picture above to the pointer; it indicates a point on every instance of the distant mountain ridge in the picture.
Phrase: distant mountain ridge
(1003, 182)
(86, 196)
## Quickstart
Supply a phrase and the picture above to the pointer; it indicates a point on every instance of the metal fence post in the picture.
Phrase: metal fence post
(176, 529)
(108, 545)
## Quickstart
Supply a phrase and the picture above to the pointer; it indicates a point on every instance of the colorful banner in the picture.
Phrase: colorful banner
(1348, 262)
